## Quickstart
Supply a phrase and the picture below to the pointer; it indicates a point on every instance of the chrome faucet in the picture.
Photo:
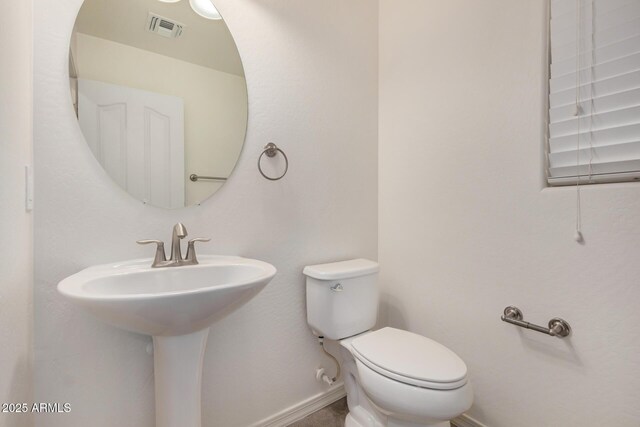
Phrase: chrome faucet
(176, 260)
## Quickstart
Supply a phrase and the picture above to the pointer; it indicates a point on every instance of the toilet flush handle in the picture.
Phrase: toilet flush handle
(337, 288)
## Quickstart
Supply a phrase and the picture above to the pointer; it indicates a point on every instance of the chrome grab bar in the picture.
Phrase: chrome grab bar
(194, 177)
(557, 327)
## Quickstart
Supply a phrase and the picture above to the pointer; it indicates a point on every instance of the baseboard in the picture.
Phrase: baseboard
(465, 420)
(306, 407)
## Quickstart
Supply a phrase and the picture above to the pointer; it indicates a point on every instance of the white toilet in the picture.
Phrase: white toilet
(392, 377)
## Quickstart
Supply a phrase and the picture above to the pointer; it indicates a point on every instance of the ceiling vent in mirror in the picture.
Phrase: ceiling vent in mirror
(163, 26)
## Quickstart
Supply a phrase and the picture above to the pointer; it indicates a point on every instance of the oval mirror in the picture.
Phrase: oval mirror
(160, 95)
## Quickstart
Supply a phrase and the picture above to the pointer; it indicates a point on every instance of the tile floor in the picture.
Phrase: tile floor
(330, 416)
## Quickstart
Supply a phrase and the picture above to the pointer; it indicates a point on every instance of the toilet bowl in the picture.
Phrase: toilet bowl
(393, 378)
(409, 379)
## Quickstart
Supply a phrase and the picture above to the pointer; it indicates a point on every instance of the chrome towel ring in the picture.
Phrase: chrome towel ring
(271, 150)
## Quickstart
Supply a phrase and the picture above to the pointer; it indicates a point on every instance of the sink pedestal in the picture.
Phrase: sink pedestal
(177, 368)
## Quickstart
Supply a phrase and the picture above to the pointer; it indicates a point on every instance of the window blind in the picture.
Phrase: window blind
(594, 91)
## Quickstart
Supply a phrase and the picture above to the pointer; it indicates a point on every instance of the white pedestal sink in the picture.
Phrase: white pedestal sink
(175, 305)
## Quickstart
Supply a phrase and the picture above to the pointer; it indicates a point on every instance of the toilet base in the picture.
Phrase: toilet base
(350, 421)
(400, 423)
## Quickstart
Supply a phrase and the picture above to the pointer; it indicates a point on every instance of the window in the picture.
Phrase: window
(594, 96)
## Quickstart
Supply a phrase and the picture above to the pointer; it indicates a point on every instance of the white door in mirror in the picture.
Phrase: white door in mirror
(138, 138)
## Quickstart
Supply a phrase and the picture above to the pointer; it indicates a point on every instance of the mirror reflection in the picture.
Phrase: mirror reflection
(160, 95)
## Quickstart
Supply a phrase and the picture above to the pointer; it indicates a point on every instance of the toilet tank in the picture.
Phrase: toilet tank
(342, 297)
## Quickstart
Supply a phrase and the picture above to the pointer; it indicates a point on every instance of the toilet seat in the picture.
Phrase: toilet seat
(410, 359)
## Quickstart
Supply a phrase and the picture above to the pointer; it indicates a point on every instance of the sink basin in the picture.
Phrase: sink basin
(176, 305)
(167, 301)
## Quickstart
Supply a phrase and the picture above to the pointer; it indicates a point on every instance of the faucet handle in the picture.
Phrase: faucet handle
(160, 255)
(199, 239)
(191, 249)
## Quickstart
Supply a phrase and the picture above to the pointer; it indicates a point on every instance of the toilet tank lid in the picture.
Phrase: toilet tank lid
(342, 269)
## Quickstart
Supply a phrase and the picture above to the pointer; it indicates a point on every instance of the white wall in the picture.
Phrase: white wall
(311, 69)
(16, 274)
(466, 227)
(215, 103)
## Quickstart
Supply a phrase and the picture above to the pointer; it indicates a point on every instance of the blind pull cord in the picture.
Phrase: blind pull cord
(578, 113)
(592, 73)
